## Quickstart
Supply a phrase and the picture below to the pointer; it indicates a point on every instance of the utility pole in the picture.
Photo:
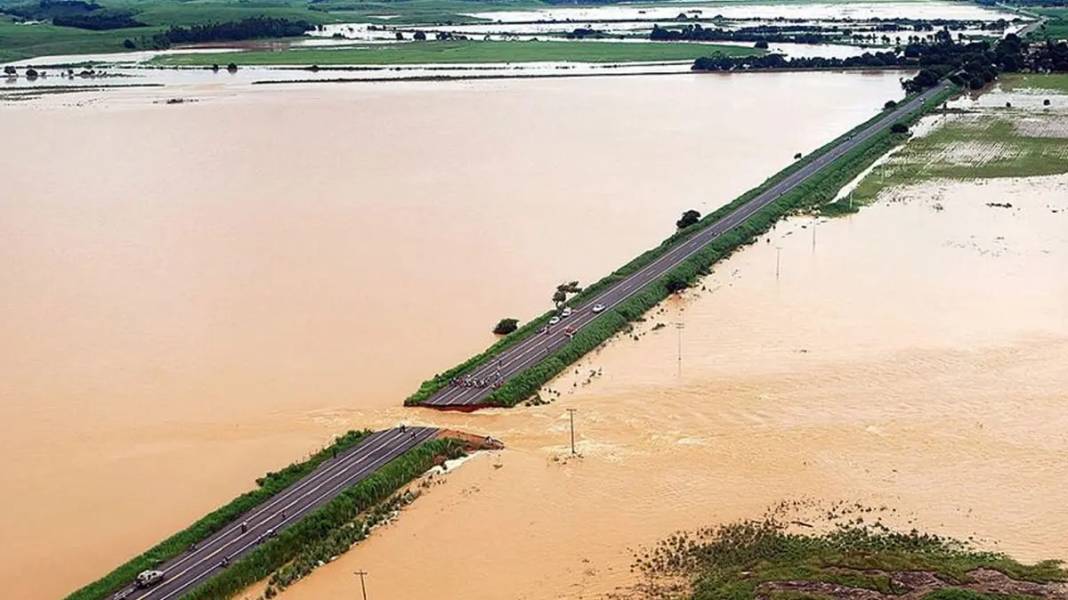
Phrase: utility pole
(571, 414)
(363, 587)
(778, 255)
(680, 326)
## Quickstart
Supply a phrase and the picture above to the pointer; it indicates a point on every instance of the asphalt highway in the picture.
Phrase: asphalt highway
(333, 476)
(527, 353)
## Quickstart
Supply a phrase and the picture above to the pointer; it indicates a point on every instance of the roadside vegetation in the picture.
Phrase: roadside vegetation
(816, 192)
(462, 51)
(329, 530)
(855, 559)
(268, 485)
(982, 143)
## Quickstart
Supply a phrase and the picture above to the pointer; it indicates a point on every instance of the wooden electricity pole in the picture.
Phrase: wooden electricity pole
(571, 414)
(363, 587)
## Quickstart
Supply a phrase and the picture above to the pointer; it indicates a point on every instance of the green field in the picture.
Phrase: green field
(983, 144)
(1057, 82)
(1057, 26)
(455, 52)
(42, 39)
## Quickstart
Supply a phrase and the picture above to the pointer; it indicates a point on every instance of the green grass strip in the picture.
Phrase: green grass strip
(319, 524)
(269, 485)
(511, 393)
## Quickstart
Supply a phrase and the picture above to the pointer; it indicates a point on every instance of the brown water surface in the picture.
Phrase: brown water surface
(914, 358)
(195, 294)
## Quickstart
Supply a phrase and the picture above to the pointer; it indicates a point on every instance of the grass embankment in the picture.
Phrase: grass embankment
(322, 533)
(983, 144)
(818, 190)
(754, 559)
(466, 51)
(269, 485)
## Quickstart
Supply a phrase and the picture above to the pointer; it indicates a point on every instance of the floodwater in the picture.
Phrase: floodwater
(912, 356)
(195, 294)
(745, 10)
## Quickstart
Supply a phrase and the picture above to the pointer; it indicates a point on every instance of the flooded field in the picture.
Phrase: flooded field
(203, 292)
(911, 357)
(770, 10)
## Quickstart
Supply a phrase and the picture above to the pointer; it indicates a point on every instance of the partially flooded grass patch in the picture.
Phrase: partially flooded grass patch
(988, 143)
(1056, 82)
(850, 558)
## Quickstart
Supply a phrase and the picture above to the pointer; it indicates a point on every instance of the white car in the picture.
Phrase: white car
(598, 308)
(148, 578)
(554, 320)
(566, 312)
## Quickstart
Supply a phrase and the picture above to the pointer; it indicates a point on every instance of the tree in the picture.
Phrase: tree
(689, 217)
(31, 73)
(128, 44)
(762, 44)
(400, 36)
(562, 290)
(231, 67)
(890, 104)
(419, 36)
(899, 127)
(10, 71)
(506, 326)
(797, 156)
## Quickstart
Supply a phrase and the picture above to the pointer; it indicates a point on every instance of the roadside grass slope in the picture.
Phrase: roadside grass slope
(268, 485)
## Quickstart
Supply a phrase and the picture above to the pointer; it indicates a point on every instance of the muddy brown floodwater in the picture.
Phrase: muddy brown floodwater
(914, 359)
(195, 294)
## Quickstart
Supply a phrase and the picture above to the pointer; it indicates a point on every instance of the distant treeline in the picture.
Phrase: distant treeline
(98, 21)
(1031, 3)
(74, 13)
(971, 64)
(763, 33)
(245, 29)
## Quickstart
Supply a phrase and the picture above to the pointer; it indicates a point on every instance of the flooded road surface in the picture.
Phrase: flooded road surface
(914, 359)
(195, 294)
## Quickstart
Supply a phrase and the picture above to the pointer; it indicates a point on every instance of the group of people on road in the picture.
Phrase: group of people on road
(472, 382)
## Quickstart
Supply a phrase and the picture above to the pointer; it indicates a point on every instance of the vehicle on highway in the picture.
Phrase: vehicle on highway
(566, 312)
(598, 307)
(148, 578)
(554, 320)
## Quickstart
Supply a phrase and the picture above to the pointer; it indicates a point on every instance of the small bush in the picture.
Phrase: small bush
(506, 326)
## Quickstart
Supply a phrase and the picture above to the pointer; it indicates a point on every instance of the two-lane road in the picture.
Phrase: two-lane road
(250, 530)
(527, 353)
